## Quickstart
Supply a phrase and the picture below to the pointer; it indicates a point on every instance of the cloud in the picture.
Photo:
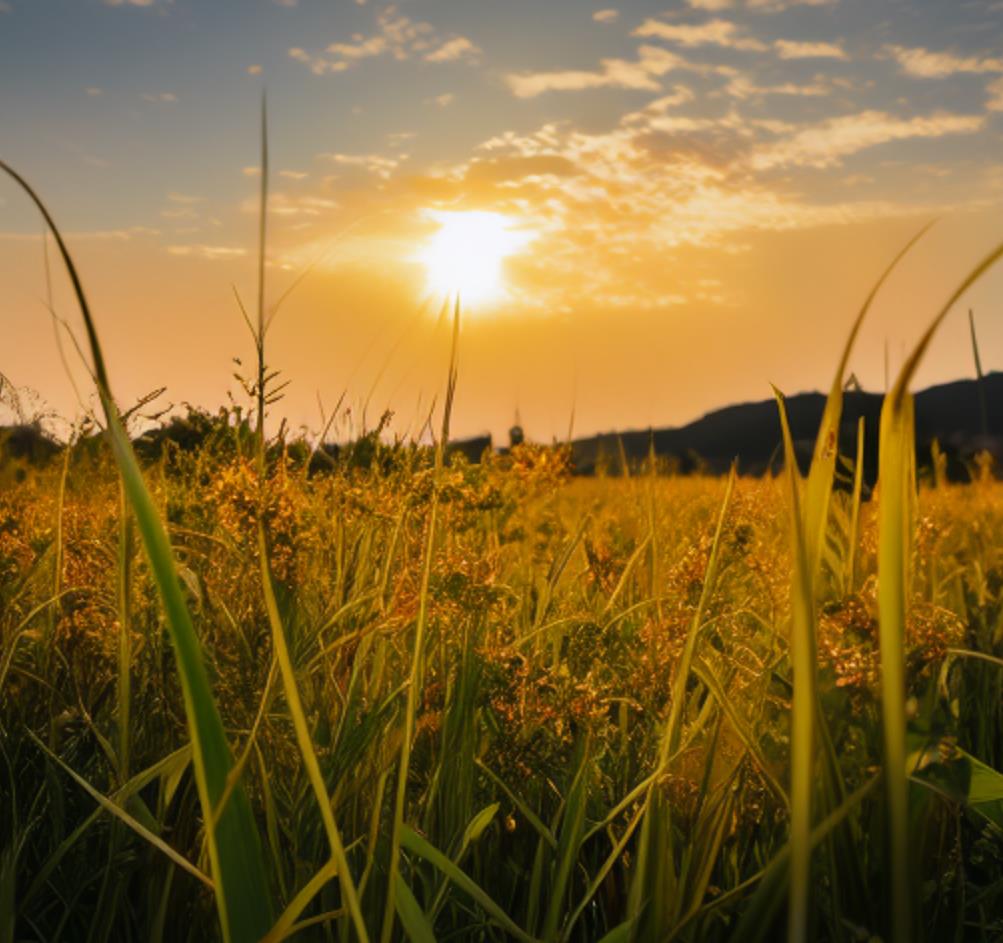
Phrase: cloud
(610, 205)
(779, 6)
(652, 62)
(93, 91)
(129, 3)
(457, 48)
(113, 235)
(5, 7)
(168, 98)
(924, 64)
(791, 49)
(757, 6)
(291, 206)
(294, 174)
(995, 91)
(711, 33)
(678, 172)
(680, 95)
(286, 3)
(443, 101)
(606, 16)
(397, 36)
(825, 144)
(741, 87)
(254, 70)
(379, 164)
(209, 253)
(361, 48)
(184, 199)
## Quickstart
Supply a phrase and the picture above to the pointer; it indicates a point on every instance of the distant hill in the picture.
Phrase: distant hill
(747, 432)
(750, 432)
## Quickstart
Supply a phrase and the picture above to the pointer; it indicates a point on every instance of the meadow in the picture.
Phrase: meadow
(406, 696)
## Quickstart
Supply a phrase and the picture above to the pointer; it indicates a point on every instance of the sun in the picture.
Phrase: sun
(465, 255)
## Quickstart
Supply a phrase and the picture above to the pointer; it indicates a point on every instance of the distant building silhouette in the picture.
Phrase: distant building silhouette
(515, 435)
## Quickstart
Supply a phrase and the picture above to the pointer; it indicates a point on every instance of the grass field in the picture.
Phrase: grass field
(554, 616)
(414, 697)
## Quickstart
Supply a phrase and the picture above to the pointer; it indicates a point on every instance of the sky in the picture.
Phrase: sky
(650, 209)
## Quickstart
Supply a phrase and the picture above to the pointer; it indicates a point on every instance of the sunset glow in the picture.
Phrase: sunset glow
(612, 190)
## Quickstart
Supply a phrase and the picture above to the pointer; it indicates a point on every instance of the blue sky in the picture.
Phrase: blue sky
(672, 162)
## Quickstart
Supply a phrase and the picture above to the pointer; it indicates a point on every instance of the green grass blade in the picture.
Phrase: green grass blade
(823, 465)
(413, 842)
(896, 475)
(305, 742)
(568, 845)
(652, 861)
(116, 810)
(411, 916)
(803, 705)
(416, 672)
(850, 578)
(242, 896)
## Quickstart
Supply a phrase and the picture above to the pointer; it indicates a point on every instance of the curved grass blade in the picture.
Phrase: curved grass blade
(802, 653)
(305, 742)
(411, 841)
(896, 470)
(652, 860)
(412, 917)
(415, 675)
(823, 463)
(242, 897)
(116, 810)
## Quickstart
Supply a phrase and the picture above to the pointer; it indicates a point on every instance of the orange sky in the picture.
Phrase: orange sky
(701, 196)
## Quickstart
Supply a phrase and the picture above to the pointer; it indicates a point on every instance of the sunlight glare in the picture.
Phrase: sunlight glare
(466, 254)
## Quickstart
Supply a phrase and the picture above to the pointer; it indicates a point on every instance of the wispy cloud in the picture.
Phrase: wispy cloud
(779, 6)
(827, 143)
(109, 235)
(5, 7)
(129, 3)
(163, 98)
(995, 92)
(608, 15)
(291, 206)
(397, 36)
(792, 49)
(926, 64)
(742, 87)
(711, 33)
(381, 165)
(443, 101)
(759, 6)
(209, 253)
(93, 91)
(652, 62)
(454, 49)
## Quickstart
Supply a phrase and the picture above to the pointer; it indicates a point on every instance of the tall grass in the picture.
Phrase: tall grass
(239, 880)
(897, 480)
(491, 703)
